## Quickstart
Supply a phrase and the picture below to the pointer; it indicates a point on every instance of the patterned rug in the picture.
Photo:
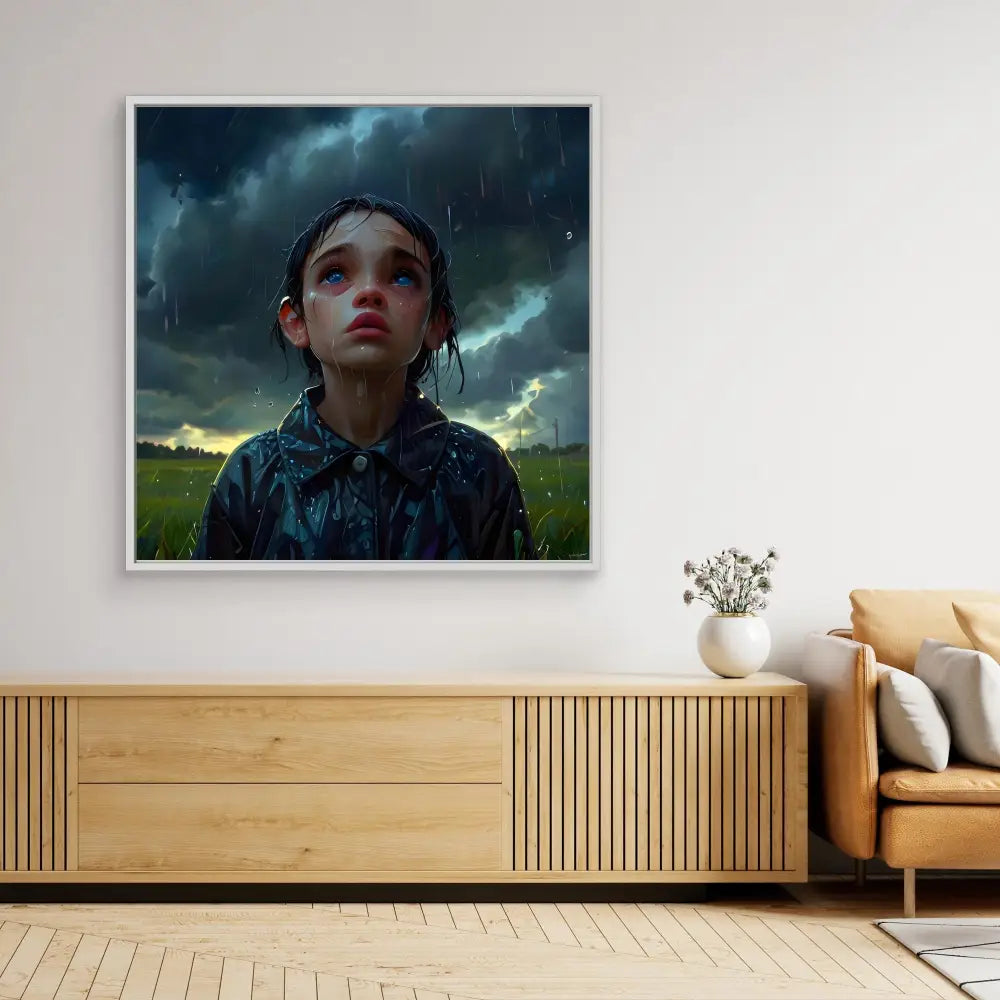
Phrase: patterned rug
(966, 950)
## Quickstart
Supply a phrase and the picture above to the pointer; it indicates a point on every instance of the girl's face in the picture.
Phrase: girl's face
(366, 297)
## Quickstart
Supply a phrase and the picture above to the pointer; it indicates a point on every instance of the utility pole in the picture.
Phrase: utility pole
(555, 423)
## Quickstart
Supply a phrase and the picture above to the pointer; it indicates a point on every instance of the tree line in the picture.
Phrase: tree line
(579, 448)
(148, 449)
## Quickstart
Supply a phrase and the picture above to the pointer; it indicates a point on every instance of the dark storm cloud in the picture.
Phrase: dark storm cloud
(209, 382)
(546, 342)
(508, 194)
(201, 148)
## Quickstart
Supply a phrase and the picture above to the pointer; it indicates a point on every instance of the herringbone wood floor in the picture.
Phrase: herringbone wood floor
(819, 945)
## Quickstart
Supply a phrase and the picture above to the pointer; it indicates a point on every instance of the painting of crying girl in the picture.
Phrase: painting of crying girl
(362, 333)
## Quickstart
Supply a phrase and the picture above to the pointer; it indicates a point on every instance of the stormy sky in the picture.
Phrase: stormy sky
(222, 193)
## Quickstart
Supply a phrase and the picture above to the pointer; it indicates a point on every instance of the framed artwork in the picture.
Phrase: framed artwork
(360, 333)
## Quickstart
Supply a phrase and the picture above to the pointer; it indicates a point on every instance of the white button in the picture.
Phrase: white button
(360, 463)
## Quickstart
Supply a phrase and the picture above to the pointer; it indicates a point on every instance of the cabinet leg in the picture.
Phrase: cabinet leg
(860, 872)
(909, 892)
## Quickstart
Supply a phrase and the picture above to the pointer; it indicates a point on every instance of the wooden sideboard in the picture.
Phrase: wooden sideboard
(561, 778)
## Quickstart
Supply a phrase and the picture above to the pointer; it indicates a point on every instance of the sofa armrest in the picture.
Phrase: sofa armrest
(843, 751)
(844, 633)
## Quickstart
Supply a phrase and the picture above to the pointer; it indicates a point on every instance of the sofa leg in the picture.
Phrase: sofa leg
(909, 892)
(860, 872)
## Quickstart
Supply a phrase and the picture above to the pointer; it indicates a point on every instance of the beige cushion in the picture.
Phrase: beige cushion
(911, 723)
(967, 683)
(939, 835)
(980, 621)
(962, 782)
(895, 622)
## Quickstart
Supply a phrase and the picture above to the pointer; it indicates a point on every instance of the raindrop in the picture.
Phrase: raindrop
(166, 324)
(256, 391)
(569, 236)
(512, 387)
(271, 403)
(550, 493)
(253, 404)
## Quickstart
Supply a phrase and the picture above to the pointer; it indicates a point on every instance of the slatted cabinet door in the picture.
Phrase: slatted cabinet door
(38, 744)
(706, 788)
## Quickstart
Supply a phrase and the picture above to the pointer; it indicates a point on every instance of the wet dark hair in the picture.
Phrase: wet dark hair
(426, 361)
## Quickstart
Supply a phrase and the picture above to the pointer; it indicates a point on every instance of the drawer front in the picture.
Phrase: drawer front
(261, 827)
(181, 739)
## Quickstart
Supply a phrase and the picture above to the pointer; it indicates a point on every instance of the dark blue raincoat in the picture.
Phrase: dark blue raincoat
(430, 489)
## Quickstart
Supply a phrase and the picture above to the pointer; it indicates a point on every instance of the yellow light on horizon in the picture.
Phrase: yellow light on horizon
(190, 436)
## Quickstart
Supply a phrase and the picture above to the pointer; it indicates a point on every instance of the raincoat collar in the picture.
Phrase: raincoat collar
(413, 445)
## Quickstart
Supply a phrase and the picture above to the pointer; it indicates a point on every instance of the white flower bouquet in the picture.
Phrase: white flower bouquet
(731, 582)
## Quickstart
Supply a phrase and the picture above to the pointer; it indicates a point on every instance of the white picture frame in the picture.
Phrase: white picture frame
(136, 466)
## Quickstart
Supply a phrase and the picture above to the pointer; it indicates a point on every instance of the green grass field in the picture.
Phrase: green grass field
(557, 492)
(171, 494)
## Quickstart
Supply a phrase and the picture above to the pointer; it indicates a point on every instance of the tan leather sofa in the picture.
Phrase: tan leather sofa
(862, 800)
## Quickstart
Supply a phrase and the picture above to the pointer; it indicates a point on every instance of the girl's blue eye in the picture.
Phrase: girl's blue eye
(335, 276)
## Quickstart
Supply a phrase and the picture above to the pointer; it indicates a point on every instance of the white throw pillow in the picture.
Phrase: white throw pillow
(967, 683)
(911, 723)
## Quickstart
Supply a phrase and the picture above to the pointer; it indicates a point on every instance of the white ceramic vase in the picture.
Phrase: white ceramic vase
(734, 645)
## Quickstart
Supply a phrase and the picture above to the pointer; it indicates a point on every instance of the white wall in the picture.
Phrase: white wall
(799, 322)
